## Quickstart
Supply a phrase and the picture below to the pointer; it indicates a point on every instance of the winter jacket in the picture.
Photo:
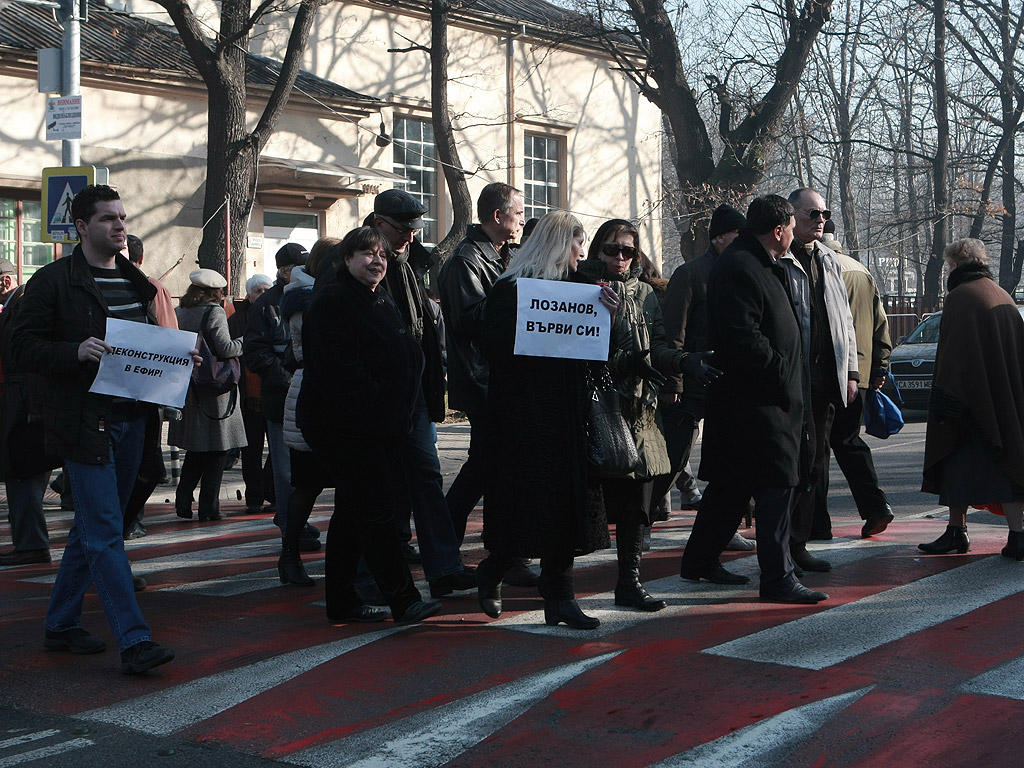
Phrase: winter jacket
(840, 321)
(209, 422)
(754, 421)
(685, 316)
(61, 308)
(297, 296)
(465, 280)
(869, 320)
(266, 351)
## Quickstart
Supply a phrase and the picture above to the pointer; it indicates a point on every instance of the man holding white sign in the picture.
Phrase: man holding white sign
(60, 334)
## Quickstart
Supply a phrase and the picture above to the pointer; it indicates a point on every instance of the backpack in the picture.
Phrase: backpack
(214, 375)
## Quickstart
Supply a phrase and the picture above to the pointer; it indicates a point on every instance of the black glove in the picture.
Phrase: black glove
(693, 366)
(636, 364)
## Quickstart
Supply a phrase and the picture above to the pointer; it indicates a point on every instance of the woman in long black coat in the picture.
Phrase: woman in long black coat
(359, 392)
(539, 500)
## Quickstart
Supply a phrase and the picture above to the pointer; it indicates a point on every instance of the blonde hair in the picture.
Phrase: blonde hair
(966, 251)
(547, 253)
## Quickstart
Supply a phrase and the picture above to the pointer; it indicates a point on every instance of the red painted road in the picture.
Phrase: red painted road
(467, 691)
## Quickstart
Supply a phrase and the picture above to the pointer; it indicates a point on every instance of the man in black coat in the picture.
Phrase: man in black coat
(754, 422)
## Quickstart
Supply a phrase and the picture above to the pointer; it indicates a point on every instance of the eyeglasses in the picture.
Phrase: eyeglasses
(616, 251)
(814, 213)
(403, 231)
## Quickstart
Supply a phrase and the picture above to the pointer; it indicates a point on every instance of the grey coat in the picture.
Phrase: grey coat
(200, 427)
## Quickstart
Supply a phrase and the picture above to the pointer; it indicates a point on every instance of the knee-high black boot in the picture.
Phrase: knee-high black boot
(628, 590)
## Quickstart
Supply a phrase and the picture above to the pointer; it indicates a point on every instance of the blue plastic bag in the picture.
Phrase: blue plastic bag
(881, 415)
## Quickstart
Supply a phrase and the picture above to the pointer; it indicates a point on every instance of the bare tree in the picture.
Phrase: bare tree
(233, 151)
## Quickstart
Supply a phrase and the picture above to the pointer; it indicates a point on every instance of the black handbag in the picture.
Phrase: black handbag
(611, 449)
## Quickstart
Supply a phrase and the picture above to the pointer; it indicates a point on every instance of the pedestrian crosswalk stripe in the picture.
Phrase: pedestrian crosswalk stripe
(179, 707)
(27, 738)
(837, 634)
(1006, 680)
(44, 752)
(438, 736)
(768, 742)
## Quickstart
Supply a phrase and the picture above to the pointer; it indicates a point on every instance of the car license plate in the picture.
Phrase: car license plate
(916, 384)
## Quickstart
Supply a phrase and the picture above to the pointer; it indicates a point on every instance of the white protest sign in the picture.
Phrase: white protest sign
(147, 363)
(561, 319)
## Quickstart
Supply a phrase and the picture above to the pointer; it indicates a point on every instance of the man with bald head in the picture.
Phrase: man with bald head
(830, 363)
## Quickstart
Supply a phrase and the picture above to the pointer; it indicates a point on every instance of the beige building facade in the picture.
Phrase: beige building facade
(531, 109)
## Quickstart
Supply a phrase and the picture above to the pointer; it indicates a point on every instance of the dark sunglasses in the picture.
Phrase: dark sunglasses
(612, 250)
(814, 213)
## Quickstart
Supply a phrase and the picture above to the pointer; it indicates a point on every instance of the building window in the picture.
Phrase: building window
(21, 236)
(416, 159)
(541, 176)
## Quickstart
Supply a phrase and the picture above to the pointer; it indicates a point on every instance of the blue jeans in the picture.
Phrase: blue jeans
(417, 455)
(281, 461)
(95, 550)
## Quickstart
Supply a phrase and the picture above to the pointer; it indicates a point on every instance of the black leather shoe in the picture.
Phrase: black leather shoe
(488, 593)
(521, 575)
(143, 656)
(419, 611)
(138, 583)
(411, 554)
(808, 562)
(953, 539)
(74, 640)
(209, 516)
(716, 575)
(876, 523)
(453, 582)
(793, 593)
(568, 612)
(24, 557)
(308, 543)
(364, 614)
(633, 595)
(311, 531)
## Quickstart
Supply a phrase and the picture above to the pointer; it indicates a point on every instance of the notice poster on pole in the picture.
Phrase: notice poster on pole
(147, 363)
(555, 318)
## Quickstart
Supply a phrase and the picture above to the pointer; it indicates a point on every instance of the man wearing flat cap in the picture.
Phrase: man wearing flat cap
(399, 217)
(59, 333)
(266, 351)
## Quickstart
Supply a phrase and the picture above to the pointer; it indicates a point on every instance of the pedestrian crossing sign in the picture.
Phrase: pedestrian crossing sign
(60, 185)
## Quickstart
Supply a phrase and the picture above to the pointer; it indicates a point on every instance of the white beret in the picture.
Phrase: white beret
(207, 278)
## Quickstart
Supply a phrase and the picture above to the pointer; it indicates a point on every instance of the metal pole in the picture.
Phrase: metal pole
(71, 45)
(227, 243)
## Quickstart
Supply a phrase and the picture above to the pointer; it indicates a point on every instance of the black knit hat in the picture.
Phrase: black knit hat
(725, 219)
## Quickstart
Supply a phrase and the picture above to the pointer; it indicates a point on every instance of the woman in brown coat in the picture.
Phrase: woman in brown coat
(974, 452)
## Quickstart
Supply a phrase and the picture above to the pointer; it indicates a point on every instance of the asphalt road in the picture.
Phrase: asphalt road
(914, 660)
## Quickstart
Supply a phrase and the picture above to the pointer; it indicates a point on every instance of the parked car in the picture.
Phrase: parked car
(912, 364)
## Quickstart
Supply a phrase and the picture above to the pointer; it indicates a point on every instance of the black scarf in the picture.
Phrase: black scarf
(972, 270)
(401, 284)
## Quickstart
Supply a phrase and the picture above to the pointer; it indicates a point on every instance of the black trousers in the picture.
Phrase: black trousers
(720, 513)
(819, 424)
(854, 458)
(205, 469)
(256, 475)
(468, 487)
(555, 581)
(363, 524)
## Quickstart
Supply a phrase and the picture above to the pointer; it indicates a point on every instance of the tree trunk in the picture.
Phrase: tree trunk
(940, 187)
(444, 136)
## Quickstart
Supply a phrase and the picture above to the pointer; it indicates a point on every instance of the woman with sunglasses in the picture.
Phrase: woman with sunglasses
(640, 359)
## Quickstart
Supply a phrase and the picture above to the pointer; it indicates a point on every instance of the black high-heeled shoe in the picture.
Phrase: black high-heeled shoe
(1014, 548)
(954, 538)
(568, 612)
(291, 570)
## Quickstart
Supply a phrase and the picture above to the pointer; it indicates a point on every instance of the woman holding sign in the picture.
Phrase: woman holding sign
(210, 424)
(539, 500)
(640, 358)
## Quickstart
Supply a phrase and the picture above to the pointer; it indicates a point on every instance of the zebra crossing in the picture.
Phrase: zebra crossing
(715, 679)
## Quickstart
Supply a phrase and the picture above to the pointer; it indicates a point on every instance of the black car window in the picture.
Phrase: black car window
(927, 332)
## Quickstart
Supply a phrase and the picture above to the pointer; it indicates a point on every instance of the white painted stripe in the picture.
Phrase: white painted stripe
(684, 595)
(435, 737)
(27, 738)
(173, 709)
(1006, 680)
(835, 635)
(767, 743)
(43, 752)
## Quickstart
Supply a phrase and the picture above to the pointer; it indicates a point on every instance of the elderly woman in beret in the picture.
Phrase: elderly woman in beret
(974, 449)
(211, 424)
